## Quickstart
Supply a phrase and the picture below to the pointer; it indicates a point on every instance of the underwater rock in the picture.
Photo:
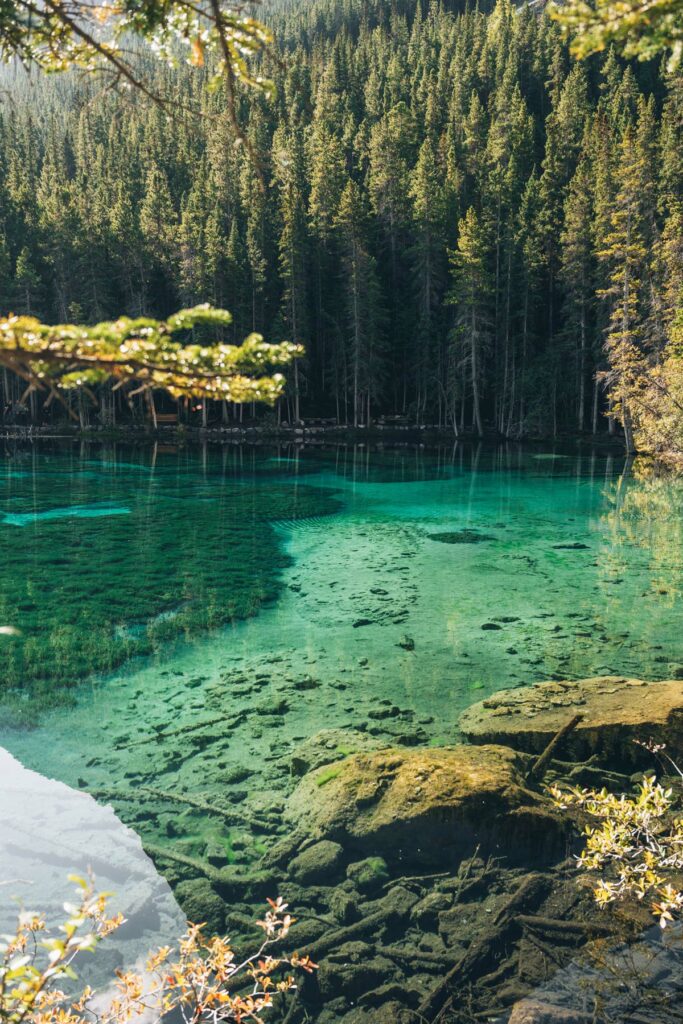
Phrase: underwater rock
(368, 875)
(273, 707)
(201, 903)
(592, 987)
(461, 537)
(48, 829)
(531, 1011)
(318, 863)
(343, 906)
(352, 979)
(425, 914)
(329, 745)
(426, 806)
(306, 683)
(616, 712)
(575, 546)
(407, 643)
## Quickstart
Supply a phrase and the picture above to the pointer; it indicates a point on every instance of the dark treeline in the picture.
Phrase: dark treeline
(450, 213)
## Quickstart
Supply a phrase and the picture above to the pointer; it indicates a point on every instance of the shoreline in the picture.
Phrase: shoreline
(308, 434)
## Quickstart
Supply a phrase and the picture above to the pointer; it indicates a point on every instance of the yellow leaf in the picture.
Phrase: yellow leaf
(197, 58)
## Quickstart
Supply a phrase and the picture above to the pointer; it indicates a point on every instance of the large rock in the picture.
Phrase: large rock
(426, 806)
(617, 712)
(47, 831)
(318, 863)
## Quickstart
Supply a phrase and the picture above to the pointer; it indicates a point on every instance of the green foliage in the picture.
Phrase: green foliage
(57, 36)
(637, 842)
(147, 352)
(641, 30)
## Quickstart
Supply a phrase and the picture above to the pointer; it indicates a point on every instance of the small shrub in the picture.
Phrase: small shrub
(637, 844)
(203, 980)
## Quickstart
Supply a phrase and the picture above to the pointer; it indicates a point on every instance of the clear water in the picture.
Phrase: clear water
(249, 599)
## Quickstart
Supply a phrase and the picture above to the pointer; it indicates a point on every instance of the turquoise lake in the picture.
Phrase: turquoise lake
(189, 618)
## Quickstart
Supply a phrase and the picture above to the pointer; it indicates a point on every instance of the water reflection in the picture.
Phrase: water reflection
(48, 831)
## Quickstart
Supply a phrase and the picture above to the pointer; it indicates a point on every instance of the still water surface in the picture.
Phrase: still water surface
(189, 618)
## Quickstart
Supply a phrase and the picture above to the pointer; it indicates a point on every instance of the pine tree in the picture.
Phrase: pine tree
(578, 278)
(363, 306)
(624, 255)
(471, 292)
(292, 244)
(26, 285)
(428, 266)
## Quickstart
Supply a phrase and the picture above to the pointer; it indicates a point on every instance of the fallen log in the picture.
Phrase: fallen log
(395, 905)
(133, 795)
(200, 866)
(226, 883)
(233, 721)
(552, 924)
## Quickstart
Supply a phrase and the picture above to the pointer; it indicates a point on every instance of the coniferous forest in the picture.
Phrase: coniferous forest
(341, 555)
(461, 224)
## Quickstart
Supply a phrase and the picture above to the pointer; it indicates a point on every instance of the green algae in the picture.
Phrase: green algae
(89, 587)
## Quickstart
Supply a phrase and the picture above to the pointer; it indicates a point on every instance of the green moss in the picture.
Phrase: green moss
(327, 775)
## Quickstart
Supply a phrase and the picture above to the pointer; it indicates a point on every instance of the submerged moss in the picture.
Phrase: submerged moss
(90, 587)
(461, 537)
(327, 776)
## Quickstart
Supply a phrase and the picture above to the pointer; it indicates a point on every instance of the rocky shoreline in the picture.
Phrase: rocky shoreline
(438, 883)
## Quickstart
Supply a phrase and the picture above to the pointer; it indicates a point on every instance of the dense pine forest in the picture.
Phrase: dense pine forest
(461, 224)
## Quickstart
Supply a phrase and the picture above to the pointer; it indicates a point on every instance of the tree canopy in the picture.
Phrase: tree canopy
(461, 224)
(61, 35)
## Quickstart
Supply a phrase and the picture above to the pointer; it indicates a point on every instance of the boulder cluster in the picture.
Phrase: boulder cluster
(422, 874)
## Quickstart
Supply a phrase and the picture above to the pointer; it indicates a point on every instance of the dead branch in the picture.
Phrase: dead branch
(538, 768)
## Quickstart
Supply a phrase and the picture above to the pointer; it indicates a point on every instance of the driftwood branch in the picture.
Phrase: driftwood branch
(538, 768)
(234, 721)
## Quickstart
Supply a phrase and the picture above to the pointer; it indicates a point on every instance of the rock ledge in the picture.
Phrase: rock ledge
(616, 712)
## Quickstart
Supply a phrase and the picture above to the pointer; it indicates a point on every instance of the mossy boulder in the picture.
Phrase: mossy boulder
(369, 874)
(616, 712)
(427, 806)
(317, 863)
(202, 904)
